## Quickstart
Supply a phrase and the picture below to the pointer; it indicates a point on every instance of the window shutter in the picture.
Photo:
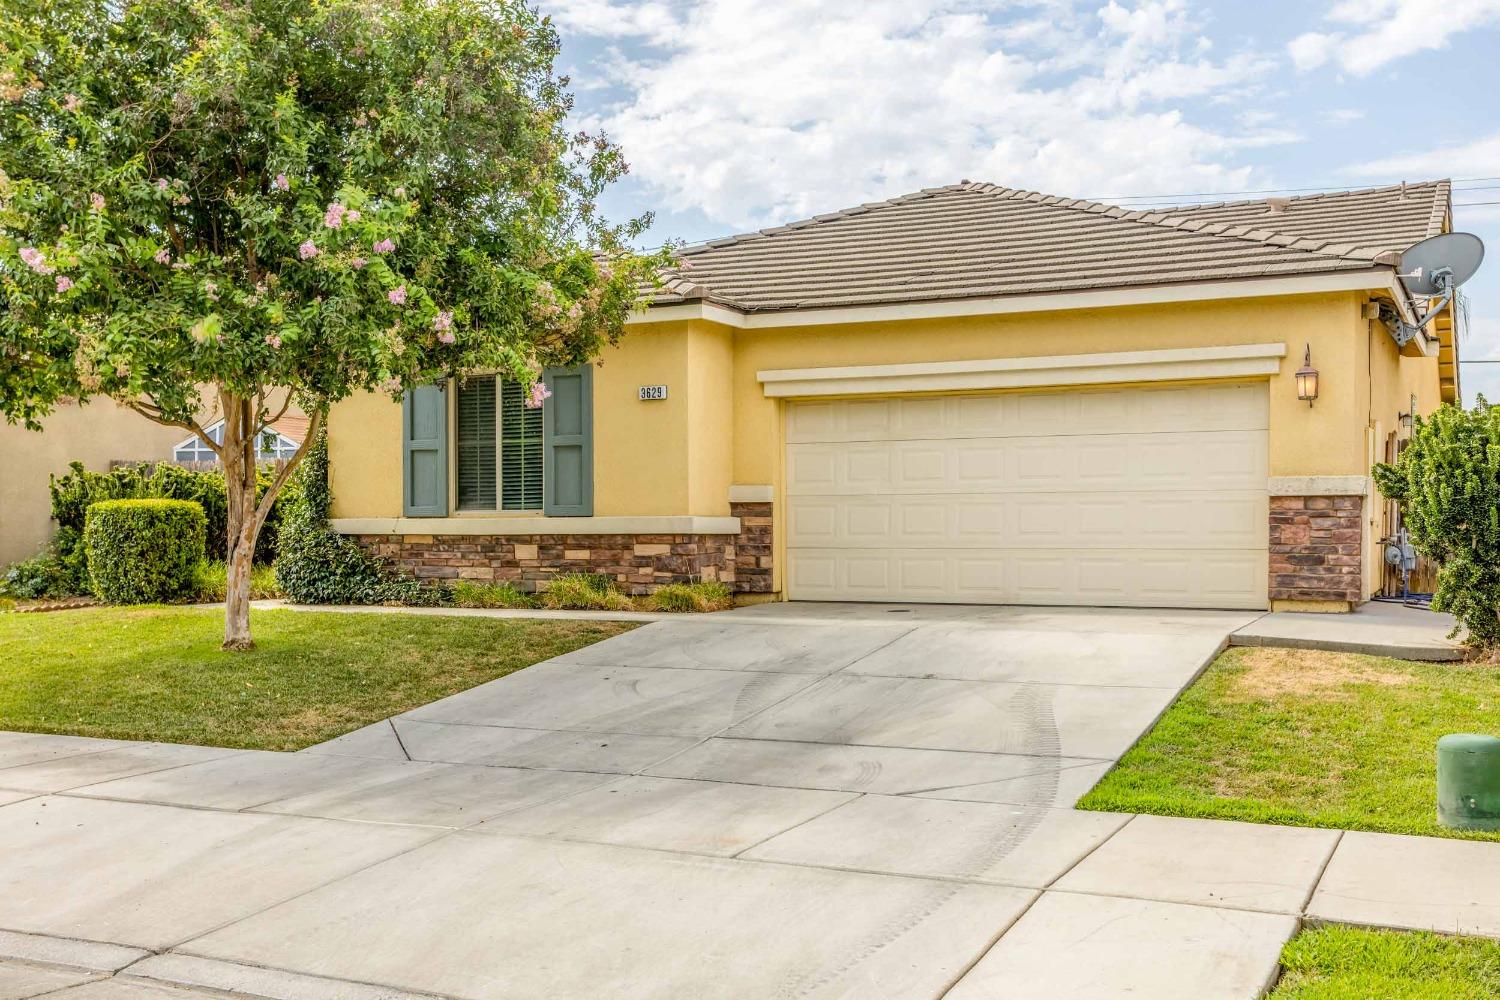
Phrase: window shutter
(568, 442)
(520, 450)
(424, 447)
(475, 444)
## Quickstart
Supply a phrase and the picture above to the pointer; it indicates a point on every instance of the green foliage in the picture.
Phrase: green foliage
(1356, 963)
(329, 197)
(317, 565)
(476, 594)
(585, 592)
(143, 551)
(1447, 482)
(74, 492)
(704, 595)
(211, 582)
(43, 575)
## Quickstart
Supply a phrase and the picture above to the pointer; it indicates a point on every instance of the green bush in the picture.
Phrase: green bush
(474, 594)
(1447, 482)
(143, 551)
(211, 582)
(74, 492)
(585, 592)
(43, 575)
(705, 595)
(317, 565)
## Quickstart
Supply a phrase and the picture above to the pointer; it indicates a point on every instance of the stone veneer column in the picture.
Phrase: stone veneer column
(753, 547)
(1316, 554)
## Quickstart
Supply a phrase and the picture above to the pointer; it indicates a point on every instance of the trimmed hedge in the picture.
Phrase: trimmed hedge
(143, 551)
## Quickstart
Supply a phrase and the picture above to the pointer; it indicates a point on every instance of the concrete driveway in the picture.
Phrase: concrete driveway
(789, 801)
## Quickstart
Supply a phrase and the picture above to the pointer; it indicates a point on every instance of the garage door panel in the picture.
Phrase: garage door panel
(1186, 460)
(1121, 411)
(1145, 496)
(1179, 578)
(1209, 521)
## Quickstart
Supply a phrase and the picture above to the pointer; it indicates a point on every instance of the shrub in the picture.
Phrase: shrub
(317, 565)
(143, 551)
(705, 595)
(211, 582)
(585, 592)
(43, 575)
(1447, 482)
(74, 492)
(474, 594)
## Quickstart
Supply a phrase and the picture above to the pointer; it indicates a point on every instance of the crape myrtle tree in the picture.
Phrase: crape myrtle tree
(210, 207)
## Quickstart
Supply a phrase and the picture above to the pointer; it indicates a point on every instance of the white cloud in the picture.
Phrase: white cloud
(1477, 158)
(755, 111)
(1378, 32)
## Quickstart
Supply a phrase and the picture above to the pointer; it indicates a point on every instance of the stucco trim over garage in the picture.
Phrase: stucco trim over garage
(1238, 361)
(683, 525)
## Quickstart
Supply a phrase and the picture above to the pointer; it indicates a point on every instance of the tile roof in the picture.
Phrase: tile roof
(971, 240)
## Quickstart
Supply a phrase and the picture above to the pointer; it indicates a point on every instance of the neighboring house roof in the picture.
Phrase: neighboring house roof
(972, 240)
(291, 425)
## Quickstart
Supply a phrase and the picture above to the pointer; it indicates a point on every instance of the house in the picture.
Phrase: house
(967, 394)
(279, 440)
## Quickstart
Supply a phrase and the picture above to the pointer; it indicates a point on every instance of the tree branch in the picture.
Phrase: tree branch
(154, 413)
(284, 474)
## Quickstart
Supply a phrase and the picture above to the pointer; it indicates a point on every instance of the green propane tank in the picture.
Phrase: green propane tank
(1468, 782)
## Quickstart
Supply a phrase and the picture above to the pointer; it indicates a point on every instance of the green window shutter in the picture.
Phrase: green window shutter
(424, 451)
(520, 450)
(474, 444)
(568, 442)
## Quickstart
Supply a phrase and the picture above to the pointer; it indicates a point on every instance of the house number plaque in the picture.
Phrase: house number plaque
(653, 392)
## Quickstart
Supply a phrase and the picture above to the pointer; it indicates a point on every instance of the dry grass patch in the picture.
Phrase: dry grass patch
(1270, 673)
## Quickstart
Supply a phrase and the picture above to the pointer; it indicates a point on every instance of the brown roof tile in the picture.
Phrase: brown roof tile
(980, 240)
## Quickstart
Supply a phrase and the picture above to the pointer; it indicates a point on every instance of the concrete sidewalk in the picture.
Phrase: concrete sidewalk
(1376, 628)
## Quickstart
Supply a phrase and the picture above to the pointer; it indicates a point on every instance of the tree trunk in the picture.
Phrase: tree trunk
(238, 458)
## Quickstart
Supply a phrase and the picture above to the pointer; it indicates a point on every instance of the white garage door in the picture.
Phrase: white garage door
(1153, 497)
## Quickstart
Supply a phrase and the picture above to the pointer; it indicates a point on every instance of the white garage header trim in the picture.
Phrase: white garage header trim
(1238, 361)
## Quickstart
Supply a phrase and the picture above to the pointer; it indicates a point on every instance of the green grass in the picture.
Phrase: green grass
(1306, 738)
(1348, 963)
(156, 673)
(703, 595)
(477, 594)
(211, 582)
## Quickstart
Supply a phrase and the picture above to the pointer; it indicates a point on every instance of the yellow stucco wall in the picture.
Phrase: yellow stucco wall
(717, 428)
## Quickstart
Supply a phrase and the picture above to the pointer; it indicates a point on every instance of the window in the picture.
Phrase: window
(497, 460)
(273, 446)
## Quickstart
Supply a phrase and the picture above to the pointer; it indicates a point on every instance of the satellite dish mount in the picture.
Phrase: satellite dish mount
(1433, 268)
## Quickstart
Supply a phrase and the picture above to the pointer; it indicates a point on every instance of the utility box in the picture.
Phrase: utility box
(1468, 782)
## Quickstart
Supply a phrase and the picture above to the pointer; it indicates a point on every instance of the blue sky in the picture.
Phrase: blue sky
(737, 114)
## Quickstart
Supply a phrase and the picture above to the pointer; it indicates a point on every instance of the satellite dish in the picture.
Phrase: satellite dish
(1440, 263)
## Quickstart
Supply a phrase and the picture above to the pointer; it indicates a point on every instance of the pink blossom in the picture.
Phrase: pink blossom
(384, 246)
(273, 339)
(538, 395)
(308, 250)
(211, 291)
(400, 192)
(397, 295)
(334, 216)
(36, 260)
(63, 283)
(72, 102)
(281, 183)
(443, 321)
(352, 215)
(97, 200)
(358, 263)
(163, 256)
(390, 385)
(447, 337)
(161, 184)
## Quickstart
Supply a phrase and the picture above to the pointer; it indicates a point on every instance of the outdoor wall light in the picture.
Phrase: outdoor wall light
(1307, 378)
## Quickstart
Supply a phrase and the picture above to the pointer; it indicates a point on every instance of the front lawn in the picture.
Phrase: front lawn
(1348, 963)
(1306, 738)
(156, 673)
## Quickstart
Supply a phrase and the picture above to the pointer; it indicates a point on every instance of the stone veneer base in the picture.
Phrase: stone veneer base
(638, 564)
(1316, 549)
